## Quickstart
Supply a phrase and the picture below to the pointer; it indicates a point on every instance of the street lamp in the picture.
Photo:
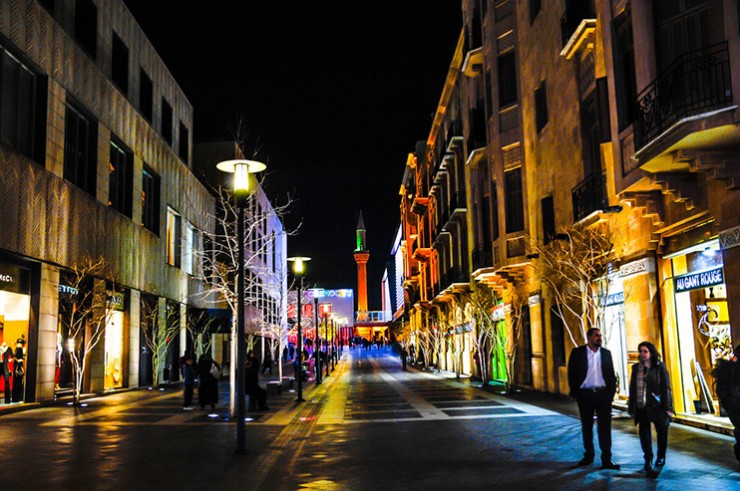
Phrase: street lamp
(241, 169)
(317, 351)
(298, 271)
(326, 308)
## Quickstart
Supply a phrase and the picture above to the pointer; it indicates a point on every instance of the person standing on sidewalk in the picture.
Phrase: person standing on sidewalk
(727, 384)
(651, 401)
(257, 395)
(188, 381)
(592, 384)
(208, 374)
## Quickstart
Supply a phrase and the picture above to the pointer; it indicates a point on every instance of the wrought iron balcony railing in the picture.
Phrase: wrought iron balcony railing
(695, 83)
(589, 195)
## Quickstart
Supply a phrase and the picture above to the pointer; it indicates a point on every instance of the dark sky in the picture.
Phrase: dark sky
(338, 92)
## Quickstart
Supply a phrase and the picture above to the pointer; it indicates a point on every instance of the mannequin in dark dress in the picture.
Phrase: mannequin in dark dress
(19, 371)
(6, 354)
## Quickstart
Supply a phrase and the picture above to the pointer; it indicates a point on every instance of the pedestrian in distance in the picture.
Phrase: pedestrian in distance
(592, 384)
(209, 372)
(188, 382)
(404, 354)
(727, 385)
(257, 395)
(651, 402)
(267, 363)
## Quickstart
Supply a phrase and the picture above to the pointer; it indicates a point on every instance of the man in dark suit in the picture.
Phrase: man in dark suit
(593, 384)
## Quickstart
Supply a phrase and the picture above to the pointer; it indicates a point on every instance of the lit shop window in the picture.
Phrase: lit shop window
(174, 233)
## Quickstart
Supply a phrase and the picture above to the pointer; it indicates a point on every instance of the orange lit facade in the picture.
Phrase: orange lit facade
(630, 127)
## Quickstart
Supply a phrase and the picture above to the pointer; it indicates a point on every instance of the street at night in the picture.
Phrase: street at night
(369, 426)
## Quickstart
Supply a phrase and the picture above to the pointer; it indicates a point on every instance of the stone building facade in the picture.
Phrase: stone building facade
(94, 164)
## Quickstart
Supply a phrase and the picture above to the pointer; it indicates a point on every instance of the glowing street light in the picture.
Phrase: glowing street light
(241, 169)
(298, 268)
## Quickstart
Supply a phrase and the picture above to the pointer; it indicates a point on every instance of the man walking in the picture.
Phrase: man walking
(593, 384)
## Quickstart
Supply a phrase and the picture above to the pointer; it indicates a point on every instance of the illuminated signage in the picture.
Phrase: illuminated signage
(68, 289)
(613, 299)
(15, 279)
(345, 293)
(115, 300)
(702, 279)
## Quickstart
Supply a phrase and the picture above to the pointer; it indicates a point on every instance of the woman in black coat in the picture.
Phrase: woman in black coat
(257, 395)
(651, 402)
(208, 387)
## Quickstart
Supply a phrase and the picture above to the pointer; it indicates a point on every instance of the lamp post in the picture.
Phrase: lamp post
(326, 335)
(298, 271)
(317, 351)
(241, 170)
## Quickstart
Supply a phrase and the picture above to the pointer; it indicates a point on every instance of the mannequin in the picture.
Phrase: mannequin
(19, 369)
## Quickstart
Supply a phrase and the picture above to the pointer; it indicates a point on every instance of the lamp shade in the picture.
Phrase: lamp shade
(241, 168)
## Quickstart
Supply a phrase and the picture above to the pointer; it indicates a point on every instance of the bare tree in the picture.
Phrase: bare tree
(575, 269)
(85, 311)
(158, 334)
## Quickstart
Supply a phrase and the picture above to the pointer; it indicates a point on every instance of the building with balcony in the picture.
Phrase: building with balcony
(628, 131)
(95, 164)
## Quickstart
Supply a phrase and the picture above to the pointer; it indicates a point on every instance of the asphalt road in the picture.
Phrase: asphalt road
(369, 426)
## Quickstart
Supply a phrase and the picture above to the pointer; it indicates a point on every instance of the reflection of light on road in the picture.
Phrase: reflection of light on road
(322, 484)
(307, 418)
(213, 415)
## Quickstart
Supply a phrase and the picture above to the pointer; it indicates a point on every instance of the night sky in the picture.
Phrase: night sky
(337, 92)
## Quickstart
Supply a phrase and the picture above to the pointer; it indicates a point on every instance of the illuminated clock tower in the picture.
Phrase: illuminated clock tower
(362, 254)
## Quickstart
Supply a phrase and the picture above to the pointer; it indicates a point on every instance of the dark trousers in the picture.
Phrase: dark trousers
(646, 438)
(257, 396)
(734, 413)
(188, 393)
(600, 402)
(6, 379)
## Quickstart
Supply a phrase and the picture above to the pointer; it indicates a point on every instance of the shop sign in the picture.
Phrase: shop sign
(702, 279)
(534, 300)
(643, 265)
(729, 238)
(468, 328)
(15, 279)
(613, 299)
(498, 313)
(115, 300)
(344, 293)
(458, 329)
(68, 289)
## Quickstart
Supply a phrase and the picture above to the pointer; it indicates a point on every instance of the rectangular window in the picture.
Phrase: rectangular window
(150, 200)
(624, 67)
(187, 255)
(22, 107)
(514, 202)
(184, 143)
(548, 219)
(494, 205)
(80, 148)
(558, 338)
(174, 238)
(120, 178)
(489, 95)
(48, 5)
(534, 9)
(166, 121)
(86, 26)
(146, 95)
(506, 79)
(540, 106)
(119, 64)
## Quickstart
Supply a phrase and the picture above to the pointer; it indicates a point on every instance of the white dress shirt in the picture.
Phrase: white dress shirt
(594, 377)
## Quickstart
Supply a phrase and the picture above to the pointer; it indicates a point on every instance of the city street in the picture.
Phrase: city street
(369, 426)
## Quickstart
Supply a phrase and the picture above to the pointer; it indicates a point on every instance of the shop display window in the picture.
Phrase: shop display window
(702, 320)
(14, 322)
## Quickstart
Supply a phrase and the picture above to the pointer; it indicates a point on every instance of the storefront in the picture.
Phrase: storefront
(17, 333)
(115, 323)
(613, 331)
(700, 331)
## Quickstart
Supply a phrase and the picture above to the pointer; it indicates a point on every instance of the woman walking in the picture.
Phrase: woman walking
(651, 402)
(208, 373)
